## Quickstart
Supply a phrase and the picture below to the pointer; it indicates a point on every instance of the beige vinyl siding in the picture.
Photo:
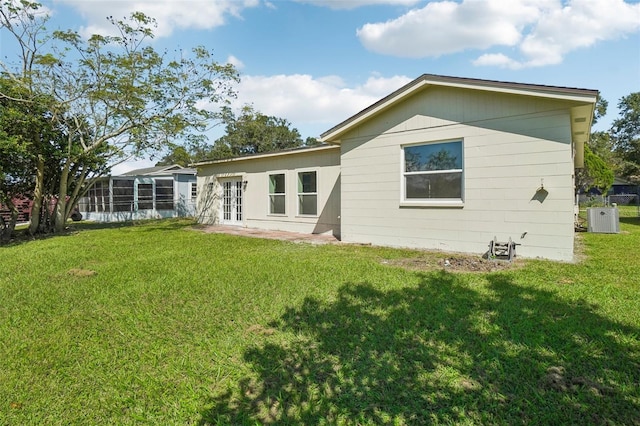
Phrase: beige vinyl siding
(255, 172)
(511, 145)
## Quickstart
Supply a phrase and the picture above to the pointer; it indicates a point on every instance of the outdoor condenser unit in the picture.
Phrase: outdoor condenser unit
(605, 220)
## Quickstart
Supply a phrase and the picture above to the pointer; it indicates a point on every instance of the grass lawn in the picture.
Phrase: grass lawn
(159, 323)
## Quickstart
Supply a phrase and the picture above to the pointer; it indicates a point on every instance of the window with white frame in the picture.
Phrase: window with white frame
(307, 193)
(433, 171)
(276, 194)
(194, 192)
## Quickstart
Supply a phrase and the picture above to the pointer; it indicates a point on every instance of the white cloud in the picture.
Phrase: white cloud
(579, 24)
(313, 105)
(497, 60)
(170, 14)
(445, 27)
(543, 31)
(237, 63)
(352, 4)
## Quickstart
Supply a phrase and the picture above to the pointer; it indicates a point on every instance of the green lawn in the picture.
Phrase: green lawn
(159, 323)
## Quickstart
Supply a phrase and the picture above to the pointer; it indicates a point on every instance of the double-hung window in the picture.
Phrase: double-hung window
(307, 193)
(277, 194)
(194, 192)
(433, 172)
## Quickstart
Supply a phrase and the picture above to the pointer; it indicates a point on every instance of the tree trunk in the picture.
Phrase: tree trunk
(60, 212)
(6, 229)
(38, 195)
(77, 193)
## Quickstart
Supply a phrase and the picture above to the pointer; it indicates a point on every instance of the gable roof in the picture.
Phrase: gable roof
(160, 170)
(581, 113)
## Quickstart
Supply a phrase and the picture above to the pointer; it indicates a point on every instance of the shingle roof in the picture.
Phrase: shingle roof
(160, 170)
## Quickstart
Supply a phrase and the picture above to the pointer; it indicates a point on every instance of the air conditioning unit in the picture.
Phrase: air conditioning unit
(604, 220)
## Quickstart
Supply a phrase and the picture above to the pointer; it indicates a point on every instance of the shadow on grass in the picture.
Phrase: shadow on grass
(440, 352)
(630, 220)
(151, 225)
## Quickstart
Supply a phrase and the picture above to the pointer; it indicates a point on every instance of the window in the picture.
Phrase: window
(194, 192)
(97, 199)
(164, 194)
(145, 196)
(433, 171)
(276, 194)
(122, 195)
(307, 193)
(227, 197)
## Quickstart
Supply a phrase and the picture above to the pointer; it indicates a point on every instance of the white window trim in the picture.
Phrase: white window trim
(432, 202)
(317, 193)
(194, 185)
(283, 194)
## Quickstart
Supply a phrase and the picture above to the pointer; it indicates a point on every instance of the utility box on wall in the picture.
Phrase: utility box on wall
(604, 220)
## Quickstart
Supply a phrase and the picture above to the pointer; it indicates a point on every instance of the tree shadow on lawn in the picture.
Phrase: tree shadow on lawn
(440, 352)
(630, 220)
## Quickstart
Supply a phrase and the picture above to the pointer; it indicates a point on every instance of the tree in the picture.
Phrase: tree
(21, 125)
(595, 174)
(194, 149)
(14, 159)
(625, 133)
(599, 159)
(601, 145)
(115, 96)
(252, 133)
(177, 155)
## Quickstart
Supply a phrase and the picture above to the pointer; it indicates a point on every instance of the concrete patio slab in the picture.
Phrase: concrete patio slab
(270, 234)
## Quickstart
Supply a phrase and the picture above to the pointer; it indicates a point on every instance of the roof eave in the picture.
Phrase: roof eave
(266, 155)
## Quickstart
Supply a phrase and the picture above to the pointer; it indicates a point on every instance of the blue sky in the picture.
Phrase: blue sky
(317, 62)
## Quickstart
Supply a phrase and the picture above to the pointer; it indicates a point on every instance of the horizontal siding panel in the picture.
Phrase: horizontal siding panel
(445, 228)
(516, 194)
(380, 186)
(371, 169)
(376, 197)
(486, 204)
(520, 183)
(533, 159)
(472, 206)
(540, 171)
(490, 147)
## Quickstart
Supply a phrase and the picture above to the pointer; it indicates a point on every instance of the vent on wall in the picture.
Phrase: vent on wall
(603, 220)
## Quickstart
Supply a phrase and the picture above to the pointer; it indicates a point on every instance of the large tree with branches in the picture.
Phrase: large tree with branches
(114, 96)
(625, 133)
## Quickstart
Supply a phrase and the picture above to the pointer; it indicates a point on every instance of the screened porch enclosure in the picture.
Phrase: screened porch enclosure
(149, 193)
(129, 195)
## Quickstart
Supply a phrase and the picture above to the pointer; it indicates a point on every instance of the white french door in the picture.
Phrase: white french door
(231, 213)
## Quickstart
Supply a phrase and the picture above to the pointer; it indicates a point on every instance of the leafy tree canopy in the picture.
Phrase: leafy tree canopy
(250, 132)
(112, 96)
(595, 174)
(625, 133)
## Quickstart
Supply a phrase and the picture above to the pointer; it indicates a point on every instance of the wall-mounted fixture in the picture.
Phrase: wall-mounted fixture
(541, 193)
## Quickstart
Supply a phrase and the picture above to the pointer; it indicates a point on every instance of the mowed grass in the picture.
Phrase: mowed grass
(158, 323)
